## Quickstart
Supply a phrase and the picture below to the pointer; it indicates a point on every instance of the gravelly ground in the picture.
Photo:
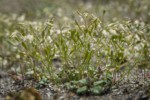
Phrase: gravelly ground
(123, 91)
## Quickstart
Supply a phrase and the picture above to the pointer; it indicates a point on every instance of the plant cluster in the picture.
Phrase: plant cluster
(87, 55)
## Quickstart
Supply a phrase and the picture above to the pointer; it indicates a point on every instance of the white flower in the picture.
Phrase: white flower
(121, 27)
(139, 47)
(137, 37)
(29, 38)
(99, 26)
(81, 19)
(82, 26)
(65, 18)
(129, 37)
(18, 56)
(113, 32)
(14, 48)
(5, 62)
(104, 32)
(21, 18)
(58, 31)
(49, 39)
(136, 22)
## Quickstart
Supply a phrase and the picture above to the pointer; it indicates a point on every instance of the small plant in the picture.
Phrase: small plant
(90, 49)
(85, 53)
(93, 86)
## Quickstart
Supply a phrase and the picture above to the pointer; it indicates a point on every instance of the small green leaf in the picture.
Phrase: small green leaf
(17, 39)
(83, 81)
(74, 82)
(101, 82)
(82, 90)
(24, 45)
(96, 90)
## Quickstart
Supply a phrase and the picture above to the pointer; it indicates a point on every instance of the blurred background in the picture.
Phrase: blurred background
(114, 9)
